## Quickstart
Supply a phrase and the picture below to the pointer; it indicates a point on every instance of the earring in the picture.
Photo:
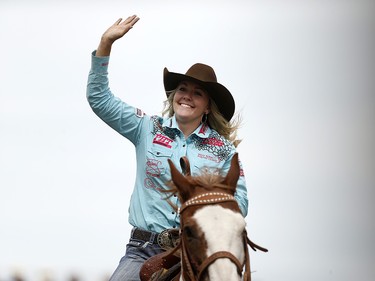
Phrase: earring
(204, 118)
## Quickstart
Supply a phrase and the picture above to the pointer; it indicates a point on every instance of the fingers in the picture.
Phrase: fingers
(118, 21)
(130, 21)
(131, 17)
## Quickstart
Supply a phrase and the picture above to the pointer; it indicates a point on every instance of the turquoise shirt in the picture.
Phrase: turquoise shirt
(157, 139)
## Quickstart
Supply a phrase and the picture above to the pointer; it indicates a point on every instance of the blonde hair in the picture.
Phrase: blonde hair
(215, 120)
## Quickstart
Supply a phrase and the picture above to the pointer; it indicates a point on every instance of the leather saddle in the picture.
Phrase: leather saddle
(162, 267)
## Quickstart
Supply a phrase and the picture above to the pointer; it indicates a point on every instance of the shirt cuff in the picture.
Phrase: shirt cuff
(99, 64)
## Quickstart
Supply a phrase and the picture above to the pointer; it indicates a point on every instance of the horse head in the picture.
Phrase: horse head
(213, 235)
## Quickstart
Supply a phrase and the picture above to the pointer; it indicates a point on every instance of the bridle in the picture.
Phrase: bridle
(208, 199)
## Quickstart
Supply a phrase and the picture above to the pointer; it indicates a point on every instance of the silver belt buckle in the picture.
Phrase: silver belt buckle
(165, 240)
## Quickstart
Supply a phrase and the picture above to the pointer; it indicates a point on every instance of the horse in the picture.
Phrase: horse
(213, 239)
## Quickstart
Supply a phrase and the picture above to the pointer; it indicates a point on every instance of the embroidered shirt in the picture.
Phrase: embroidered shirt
(156, 140)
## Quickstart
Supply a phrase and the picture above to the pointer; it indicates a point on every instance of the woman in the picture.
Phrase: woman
(198, 110)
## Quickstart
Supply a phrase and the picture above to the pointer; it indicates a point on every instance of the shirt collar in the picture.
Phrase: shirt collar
(170, 123)
(203, 130)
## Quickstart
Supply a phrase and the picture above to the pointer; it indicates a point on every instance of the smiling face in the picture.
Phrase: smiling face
(190, 102)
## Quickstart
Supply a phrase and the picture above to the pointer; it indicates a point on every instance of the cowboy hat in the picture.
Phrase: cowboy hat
(203, 75)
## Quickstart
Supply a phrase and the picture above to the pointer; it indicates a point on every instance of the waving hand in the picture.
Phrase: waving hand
(114, 32)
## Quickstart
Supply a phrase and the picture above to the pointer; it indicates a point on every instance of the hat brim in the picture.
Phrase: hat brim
(217, 92)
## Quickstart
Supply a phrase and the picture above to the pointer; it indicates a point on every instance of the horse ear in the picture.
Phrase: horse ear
(182, 184)
(233, 174)
(185, 166)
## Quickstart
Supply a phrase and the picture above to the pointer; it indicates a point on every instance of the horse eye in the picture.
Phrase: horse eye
(188, 230)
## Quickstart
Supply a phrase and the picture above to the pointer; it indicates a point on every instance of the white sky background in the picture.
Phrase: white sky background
(301, 72)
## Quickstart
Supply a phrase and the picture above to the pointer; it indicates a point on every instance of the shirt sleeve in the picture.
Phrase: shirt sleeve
(120, 116)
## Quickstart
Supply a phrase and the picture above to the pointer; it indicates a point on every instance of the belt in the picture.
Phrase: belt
(167, 239)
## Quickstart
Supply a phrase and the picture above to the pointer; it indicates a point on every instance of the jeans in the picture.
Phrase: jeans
(137, 252)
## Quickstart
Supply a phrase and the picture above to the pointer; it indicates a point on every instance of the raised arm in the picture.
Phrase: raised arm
(114, 32)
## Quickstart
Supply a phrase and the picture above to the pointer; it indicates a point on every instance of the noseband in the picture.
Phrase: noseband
(209, 199)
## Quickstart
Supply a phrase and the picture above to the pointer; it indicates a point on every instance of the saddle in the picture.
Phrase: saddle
(162, 267)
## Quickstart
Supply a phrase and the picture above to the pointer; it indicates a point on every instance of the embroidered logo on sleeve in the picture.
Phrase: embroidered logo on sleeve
(162, 140)
(242, 173)
(139, 113)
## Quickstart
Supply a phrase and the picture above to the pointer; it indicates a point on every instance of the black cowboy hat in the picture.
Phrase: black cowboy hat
(203, 75)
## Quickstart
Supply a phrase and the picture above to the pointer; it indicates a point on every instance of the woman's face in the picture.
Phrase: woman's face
(190, 102)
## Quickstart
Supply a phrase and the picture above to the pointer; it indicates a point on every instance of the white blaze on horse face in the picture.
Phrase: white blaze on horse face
(223, 230)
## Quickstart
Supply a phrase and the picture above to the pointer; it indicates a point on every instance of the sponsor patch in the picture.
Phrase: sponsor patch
(154, 168)
(213, 141)
(208, 157)
(139, 113)
(162, 140)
